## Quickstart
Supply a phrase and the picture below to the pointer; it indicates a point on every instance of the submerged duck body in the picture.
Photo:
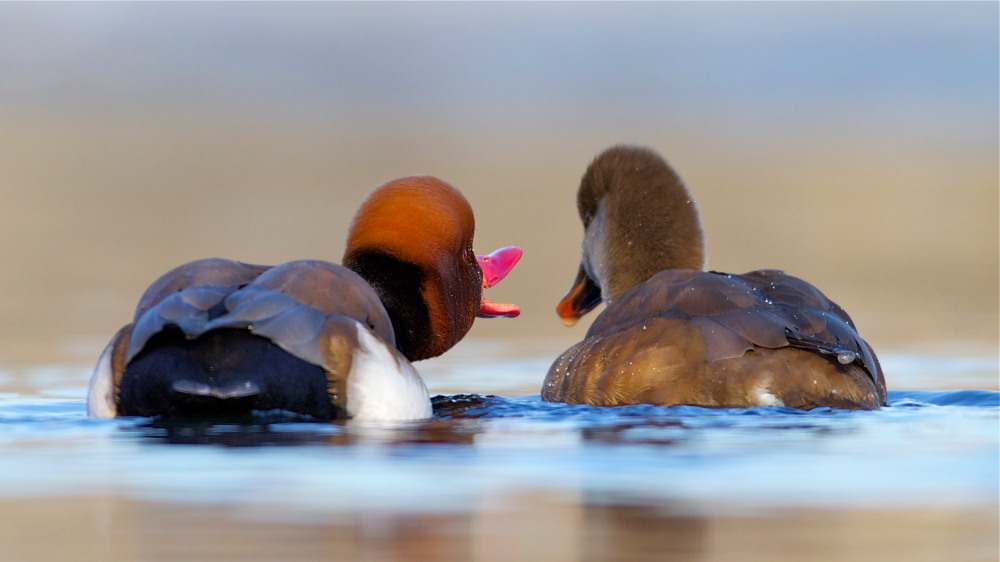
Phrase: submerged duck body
(310, 337)
(674, 334)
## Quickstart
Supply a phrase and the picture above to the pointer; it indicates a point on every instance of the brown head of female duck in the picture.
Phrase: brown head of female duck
(674, 334)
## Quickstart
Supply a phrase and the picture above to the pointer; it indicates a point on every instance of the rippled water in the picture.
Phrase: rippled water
(928, 450)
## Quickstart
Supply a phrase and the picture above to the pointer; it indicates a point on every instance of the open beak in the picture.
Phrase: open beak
(495, 267)
(581, 298)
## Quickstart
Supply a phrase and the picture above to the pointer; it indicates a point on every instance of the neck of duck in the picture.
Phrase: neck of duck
(634, 234)
(428, 315)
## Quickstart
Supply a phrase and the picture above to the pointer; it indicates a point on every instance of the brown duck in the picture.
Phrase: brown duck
(220, 337)
(674, 334)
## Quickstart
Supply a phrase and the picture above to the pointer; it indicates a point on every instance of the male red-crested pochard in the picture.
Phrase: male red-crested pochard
(673, 334)
(216, 336)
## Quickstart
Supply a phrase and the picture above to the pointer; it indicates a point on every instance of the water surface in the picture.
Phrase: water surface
(924, 470)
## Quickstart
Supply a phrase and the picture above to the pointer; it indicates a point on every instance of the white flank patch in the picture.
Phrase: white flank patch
(100, 393)
(382, 385)
(764, 396)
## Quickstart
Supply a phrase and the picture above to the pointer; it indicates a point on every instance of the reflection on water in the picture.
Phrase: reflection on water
(508, 477)
(908, 453)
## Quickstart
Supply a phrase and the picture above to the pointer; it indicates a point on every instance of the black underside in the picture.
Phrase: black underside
(222, 373)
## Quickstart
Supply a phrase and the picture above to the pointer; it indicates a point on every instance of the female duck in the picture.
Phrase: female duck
(313, 338)
(673, 334)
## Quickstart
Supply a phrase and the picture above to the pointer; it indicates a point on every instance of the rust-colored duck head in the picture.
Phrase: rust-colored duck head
(412, 241)
(627, 193)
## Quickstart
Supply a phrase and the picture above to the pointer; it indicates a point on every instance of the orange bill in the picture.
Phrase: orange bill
(581, 299)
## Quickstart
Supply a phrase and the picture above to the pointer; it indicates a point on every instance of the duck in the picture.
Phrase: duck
(672, 333)
(320, 341)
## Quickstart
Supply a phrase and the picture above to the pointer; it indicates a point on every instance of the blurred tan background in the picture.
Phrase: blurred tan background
(855, 145)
